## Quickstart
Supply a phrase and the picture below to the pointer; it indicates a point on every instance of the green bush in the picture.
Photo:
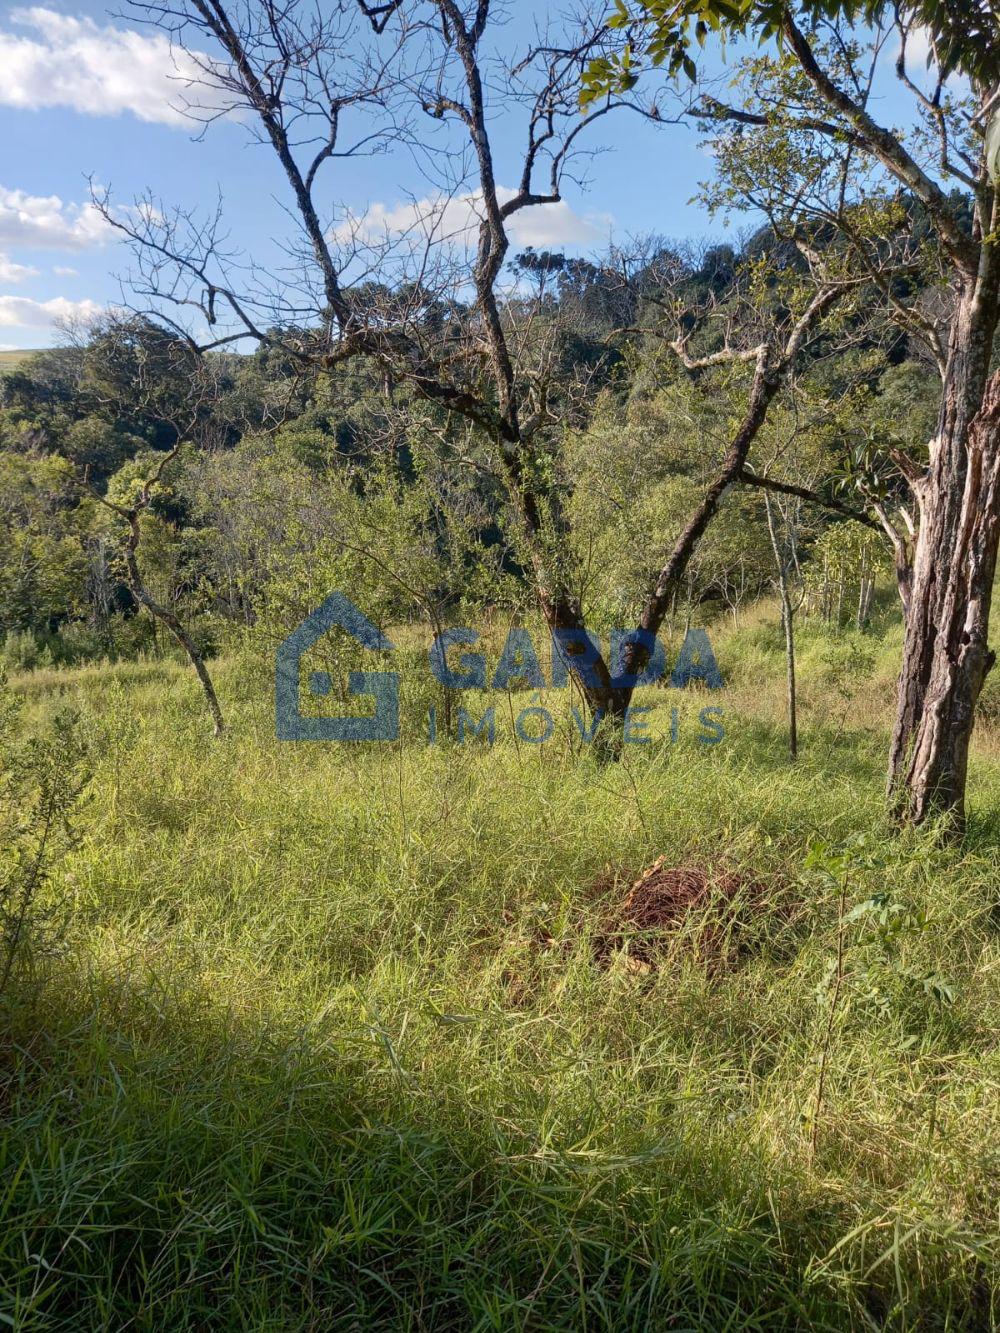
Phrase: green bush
(41, 778)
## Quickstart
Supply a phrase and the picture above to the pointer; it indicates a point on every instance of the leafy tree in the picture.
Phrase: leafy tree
(42, 561)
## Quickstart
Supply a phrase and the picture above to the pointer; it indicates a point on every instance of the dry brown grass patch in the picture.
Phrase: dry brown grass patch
(710, 910)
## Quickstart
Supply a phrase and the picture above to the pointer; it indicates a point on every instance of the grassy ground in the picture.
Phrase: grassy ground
(12, 358)
(325, 1044)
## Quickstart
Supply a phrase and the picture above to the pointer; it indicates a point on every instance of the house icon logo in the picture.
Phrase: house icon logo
(382, 686)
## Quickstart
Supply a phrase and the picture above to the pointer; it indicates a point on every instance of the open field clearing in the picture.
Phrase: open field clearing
(350, 1036)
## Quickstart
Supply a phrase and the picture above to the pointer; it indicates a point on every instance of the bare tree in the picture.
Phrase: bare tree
(424, 304)
(772, 338)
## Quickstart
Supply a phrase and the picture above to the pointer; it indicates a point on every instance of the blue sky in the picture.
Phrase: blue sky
(80, 97)
(83, 94)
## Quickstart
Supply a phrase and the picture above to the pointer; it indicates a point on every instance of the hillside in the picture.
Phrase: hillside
(11, 359)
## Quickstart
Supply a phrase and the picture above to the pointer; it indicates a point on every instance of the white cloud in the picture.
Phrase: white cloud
(46, 222)
(22, 312)
(455, 218)
(61, 271)
(98, 70)
(552, 226)
(918, 48)
(11, 272)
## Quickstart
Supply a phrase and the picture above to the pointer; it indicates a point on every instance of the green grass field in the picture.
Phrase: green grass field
(325, 1042)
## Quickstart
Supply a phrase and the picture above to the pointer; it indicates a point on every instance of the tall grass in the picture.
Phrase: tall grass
(329, 1046)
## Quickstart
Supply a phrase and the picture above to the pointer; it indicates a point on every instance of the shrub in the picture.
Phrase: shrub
(41, 779)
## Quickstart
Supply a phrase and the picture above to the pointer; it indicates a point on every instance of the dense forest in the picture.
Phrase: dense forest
(271, 486)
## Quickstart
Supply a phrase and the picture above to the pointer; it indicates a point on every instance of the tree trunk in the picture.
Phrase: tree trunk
(793, 724)
(946, 656)
(787, 621)
(864, 596)
(604, 693)
(172, 622)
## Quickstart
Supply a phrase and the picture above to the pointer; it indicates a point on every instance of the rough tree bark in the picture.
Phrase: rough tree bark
(946, 654)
